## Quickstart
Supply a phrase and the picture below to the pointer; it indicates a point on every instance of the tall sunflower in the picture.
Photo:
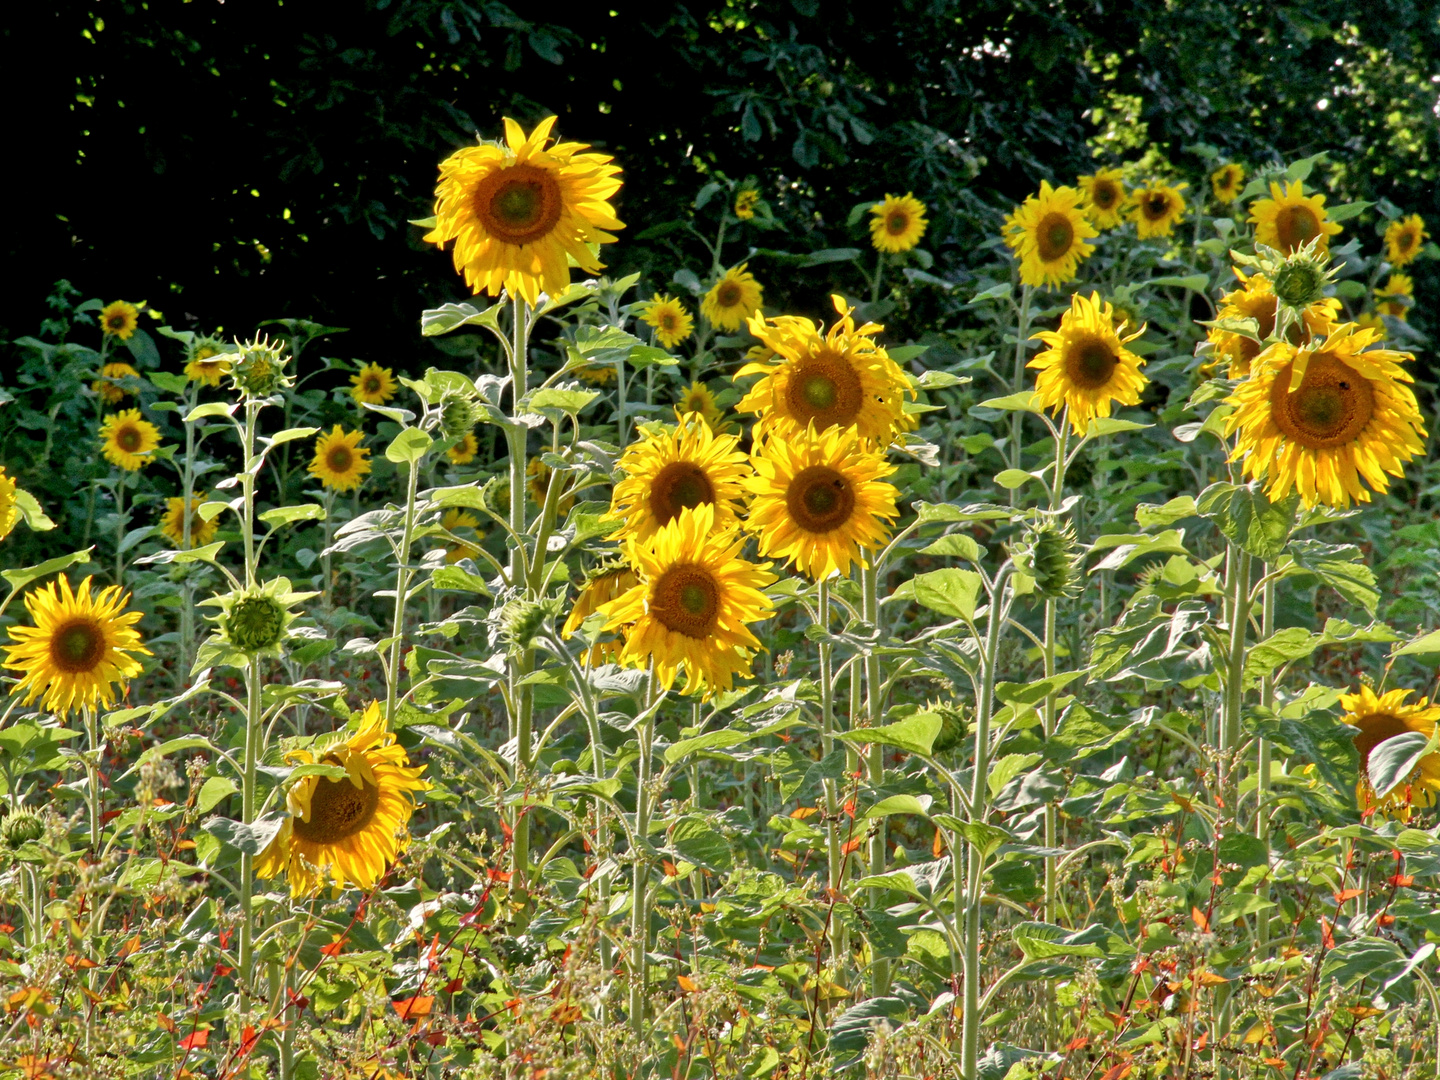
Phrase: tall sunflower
(1318, 419)
(373, 385)
(208, 362)
(463, 452)
(1048, 233)
(120, 319)
(819, 501)
(1103, 197)
(898, 223)
(1390, 298)
(602, 587)
(107, 384)
(340, 462)
(671, 321)
(692, 606)
(79, 649)
(1404, 238)
(668, 472)
(1087, 366)
(1226, 182)
(1379, 719)
(128, 441)
(1290, 219)
(172, 522)
(841, 378)
(1157, 208)
(9, 512)
(348, 830)
(732, 299)
(519, 213)
(458, 547)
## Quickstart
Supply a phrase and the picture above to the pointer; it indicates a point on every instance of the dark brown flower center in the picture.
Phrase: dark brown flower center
(728, 295)
(116, 321)
(519, 204)
(1090, 362)
(128, 439)
(1375, 729)
(338, 809)
(77, 646)
(1296, 226)
(1054, 236)
(339, 459)
(1156, 204)
(820, 499)
(897, 222)
(1331, 407)
(679, 485)
(1104, 194)
(826, 389)
(686, 600)
(372, 385)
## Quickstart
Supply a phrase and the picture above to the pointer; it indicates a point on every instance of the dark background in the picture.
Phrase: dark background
(247, 160)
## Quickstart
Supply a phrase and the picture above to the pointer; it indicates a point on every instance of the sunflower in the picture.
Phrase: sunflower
(839, 379)
(1256, 299)
(9, 513)
(463, 452)
(119, 319)
(898, 223)
(733, 299)
(79, 647)
(207, 363)
(128, 440)
(105, 386)
(603, 586)
(1390, 298)
(695, 597)
(1404, 238)
(1382, 718)
(349, 829)
(1157, 208)
(1226, 182)
(1103, 197)
(340, 461)
(673, 323)
(745, 202)
(819, 501)
(538, 474)
(172, 522)
(1290, 219)
(374, 385)
(452, 522)
(1349, 416)
(596, 374)
(1048, 233)
(697, 400)
(520, 213)
(668, 472)
(1087, 365)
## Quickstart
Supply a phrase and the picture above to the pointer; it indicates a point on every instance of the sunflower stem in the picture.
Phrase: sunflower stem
(878, 278)
(870, 613)
(1017, 382)
(827, 736)
(120, 531)
(327, 591)
(639, 916)
(520, 693)
(254, 727)
(187, 586)
(1057, 495)
(1262, 754)
(402, 587)
(1237, 582)
(92, 768)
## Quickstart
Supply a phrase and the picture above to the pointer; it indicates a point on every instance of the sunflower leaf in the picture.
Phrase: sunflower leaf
(18, 579)
(1392, 762)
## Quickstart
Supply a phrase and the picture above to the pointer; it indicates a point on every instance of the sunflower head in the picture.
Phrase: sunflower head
(458, 417)
(452, 522)
(596, 374)
(745, 202)
(340, 462)
(732, 299)
(1048, 233)
(373, 385)
(1395, 296)
(258, 368)
(79, 649)
(698, 400)
(1087, 366)
(207, 361)
(110, 386)
(952, 726)
(1157, 208)
(898, 223)
(128, 441)
(1404, 239)
(256, 620)
(119, 319)
(520, 212)
(672, 323)
(1380, 718)
(1290, 219)
(1049, 553)
(672, 470)
(1226, 182)
(603, 584)
(522, 620)
(172, 522)
(9, 508)
(1104, 197)
(19, 827)
(1300, 280)
(463, 452)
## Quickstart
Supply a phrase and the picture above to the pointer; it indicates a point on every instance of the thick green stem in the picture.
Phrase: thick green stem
(1262, 773)
(1237, 582)
(521, 695)
(875, 764)
(1048, 719)
(120, 529)
(402, 588)
(640, 870)
(254, 735)
(1017, 380)
(92, 768)
(827, 739)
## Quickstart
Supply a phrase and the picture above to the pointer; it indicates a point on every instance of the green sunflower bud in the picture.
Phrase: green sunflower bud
(1300, 281)
(521, 621)
(458, 417)
(1049, 555)
(952, 727)
(256, 622)
(259, 368)
(20, 827)
(496, 496)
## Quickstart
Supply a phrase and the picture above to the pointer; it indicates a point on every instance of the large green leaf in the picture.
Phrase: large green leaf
(1248, 518)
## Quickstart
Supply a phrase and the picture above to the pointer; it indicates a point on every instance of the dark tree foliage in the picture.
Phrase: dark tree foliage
(234, 161)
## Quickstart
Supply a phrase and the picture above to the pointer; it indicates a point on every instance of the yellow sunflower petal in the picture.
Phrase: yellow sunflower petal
(340, 462)
(1087, 366)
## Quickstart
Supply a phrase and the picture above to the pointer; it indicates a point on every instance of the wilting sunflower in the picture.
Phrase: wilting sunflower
(745, 202)
(1103, 197)
(1048, 233)
(672, 322)
(374, 385)
(732, 299)
(690, 610)
(1379, 719)
(1349, 416)
(697, 400)
(1290, 219)
(208, 362)
(109, 392)
(668, 472)
(1404, 238)
(1256, 299)
(841, 378)
(605, 585)
(9, 512)
(459, 548)
(463, 452)
(1226, 182)
(172, 522)
(119, 319)
(538, 483)
(1390, 298)
(346, 831)
(819, 501)
(340, 461)
(1157, 208)
(898, 223)
(1087, 366)
(128, 440)
(79, 648)
(519, 213)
